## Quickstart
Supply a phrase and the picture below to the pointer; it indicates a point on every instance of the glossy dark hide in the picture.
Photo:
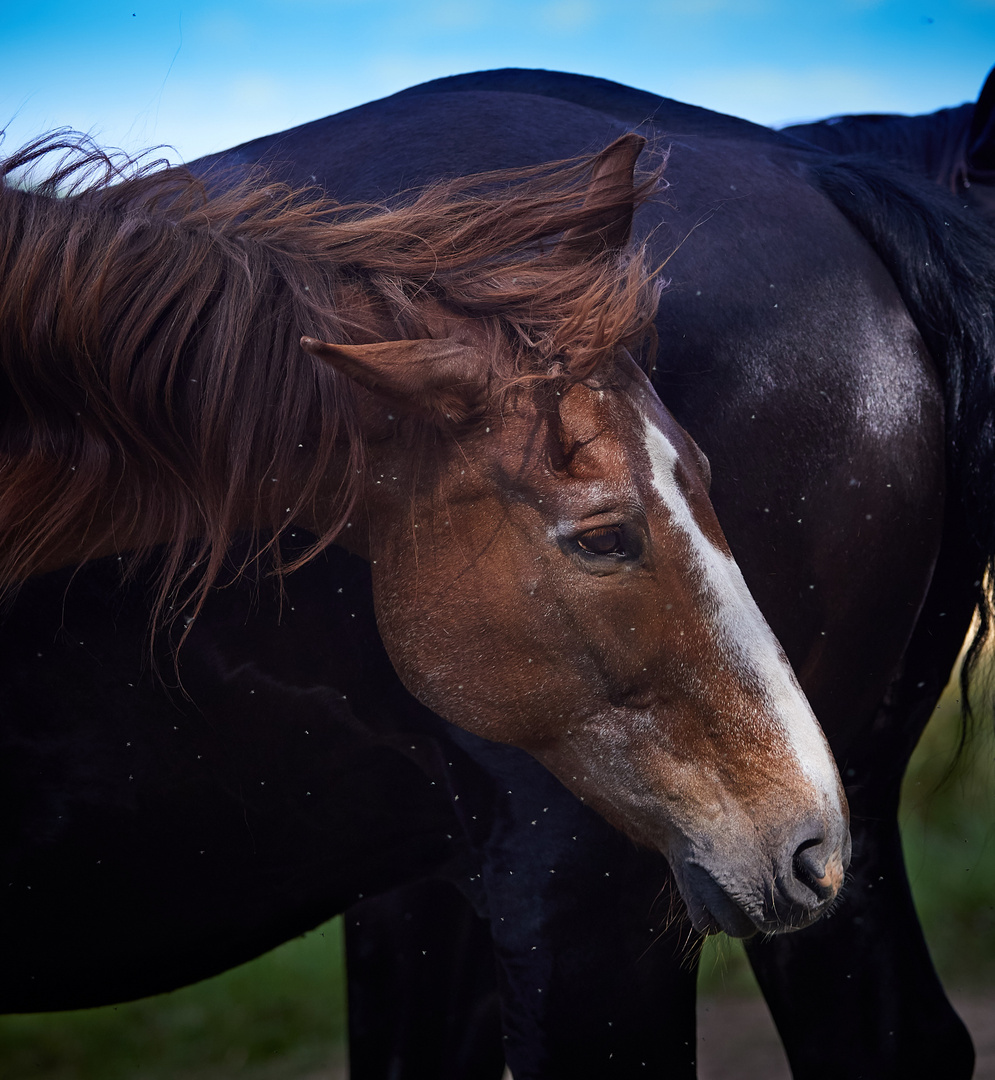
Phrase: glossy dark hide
(838, 560)
(154, 836)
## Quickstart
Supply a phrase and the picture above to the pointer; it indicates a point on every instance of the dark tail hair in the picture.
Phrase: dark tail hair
(941, 256)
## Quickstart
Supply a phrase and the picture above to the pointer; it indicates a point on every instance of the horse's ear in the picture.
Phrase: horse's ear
(612, 189)
(441, 378)
(980, 150)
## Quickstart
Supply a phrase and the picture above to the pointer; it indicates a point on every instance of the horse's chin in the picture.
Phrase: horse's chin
(710, 907)
(713, 908)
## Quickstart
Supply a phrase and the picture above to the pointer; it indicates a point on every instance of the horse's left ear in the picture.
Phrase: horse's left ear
(440, 378)
(980, 150)
(612, 189)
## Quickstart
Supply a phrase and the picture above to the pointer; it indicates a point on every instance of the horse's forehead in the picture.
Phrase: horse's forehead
(601, 429)
(584, 413)
(655, 457)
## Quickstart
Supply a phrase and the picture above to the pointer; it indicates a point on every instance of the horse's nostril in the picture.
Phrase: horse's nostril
(815, 871)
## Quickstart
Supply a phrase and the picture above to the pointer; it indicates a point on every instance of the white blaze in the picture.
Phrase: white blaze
(740, 628)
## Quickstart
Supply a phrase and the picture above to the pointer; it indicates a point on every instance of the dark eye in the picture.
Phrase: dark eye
(607, 540)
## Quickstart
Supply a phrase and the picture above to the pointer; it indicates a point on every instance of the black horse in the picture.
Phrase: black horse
(827, 339)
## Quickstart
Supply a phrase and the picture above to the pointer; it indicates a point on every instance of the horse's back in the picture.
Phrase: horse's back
(509, 118)
(399, 143)
(918, 143)
(954, 147)
(626, 104)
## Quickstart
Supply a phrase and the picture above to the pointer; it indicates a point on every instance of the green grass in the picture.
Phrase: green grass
(282, 1016)
(948, 830)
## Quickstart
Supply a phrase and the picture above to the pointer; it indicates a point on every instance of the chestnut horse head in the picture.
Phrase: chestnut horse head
(547, 568)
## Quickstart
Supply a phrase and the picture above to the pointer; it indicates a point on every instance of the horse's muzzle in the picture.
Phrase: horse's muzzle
(806, 882)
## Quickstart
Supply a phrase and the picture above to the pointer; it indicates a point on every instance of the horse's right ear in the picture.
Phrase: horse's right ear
(980, 151)
(612, 188)
(439, 378)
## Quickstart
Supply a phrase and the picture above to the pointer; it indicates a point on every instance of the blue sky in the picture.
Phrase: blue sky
(202, 75)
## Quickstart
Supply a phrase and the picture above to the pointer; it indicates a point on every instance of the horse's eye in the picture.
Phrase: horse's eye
(607, 540)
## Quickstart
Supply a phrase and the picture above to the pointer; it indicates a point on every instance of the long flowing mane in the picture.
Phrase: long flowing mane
(153, 384)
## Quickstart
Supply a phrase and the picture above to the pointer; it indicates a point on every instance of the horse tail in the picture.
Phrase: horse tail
(941, 256)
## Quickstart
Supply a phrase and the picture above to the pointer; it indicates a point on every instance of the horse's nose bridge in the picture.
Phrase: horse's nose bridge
(783, 713)
(743, 698)
(775, 763)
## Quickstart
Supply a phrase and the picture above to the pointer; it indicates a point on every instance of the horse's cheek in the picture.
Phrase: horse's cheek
(472, 638)
(438, 655)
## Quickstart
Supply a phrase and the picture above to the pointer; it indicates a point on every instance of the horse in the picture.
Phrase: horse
(751, 208)
(464, 415)
(847, 468)
(954, 147)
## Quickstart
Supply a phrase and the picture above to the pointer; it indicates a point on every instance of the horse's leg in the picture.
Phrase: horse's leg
(596, 960)
(872, 983)
(422, 989)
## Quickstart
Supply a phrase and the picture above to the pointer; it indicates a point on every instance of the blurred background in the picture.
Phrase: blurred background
(201, 76)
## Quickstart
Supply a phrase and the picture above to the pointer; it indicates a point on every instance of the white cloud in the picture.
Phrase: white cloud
(568, 15)
(461, 14)
(255, 90)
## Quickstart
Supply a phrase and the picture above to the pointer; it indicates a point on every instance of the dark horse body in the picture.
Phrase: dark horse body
(299, 779)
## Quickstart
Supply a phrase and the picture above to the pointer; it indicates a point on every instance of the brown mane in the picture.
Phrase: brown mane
(150, 327)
